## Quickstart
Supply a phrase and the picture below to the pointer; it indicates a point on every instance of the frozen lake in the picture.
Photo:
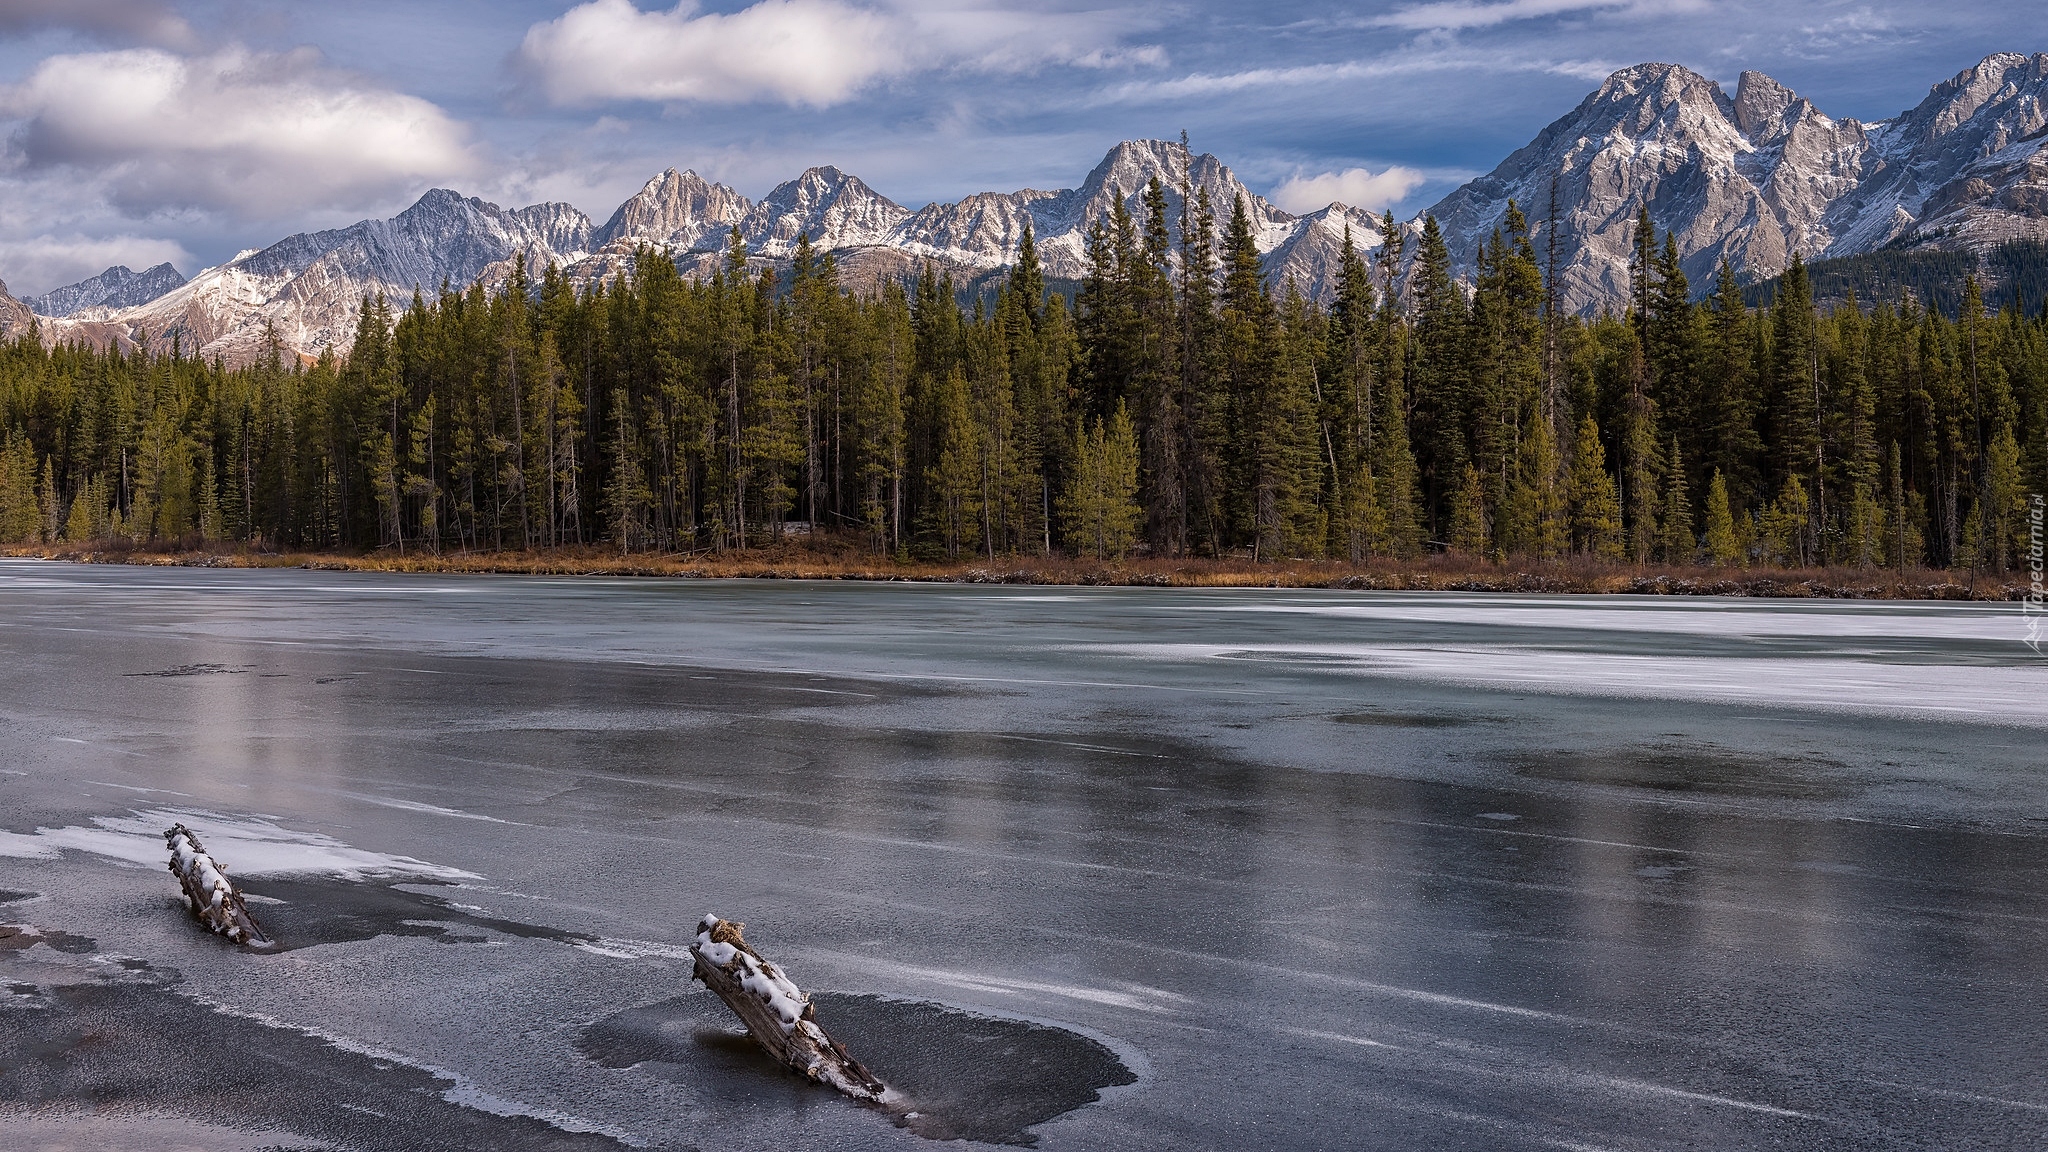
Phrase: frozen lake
(1080, 868)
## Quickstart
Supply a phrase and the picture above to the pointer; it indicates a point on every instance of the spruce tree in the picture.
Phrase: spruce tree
(1099, 507)
(1795, 411)
(78, 526)
(49, 504)
(18, 512)
(1675, 539)
(1596, 509)
(1393, 466)
(1725, 406)
(1785, 523)
(1468, 516)
(1255, 472)
(1723, 546)
(1438, 381)
(1347, 410)
(953, 478)
(1543, 529)
(1027, 279)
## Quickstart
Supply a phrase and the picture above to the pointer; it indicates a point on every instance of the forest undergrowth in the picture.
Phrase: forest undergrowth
(845, 559)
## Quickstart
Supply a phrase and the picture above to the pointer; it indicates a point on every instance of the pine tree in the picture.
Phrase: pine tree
(1099, 507)
(1675, 540)
(1726, 407)
(50, 504)
(1723, 546)
(1258, 391)
(1901, 535)
(1438, 379)
(78, 526)
(1795, 410)
(1642, 466)
(1468, 516)
(210, 525)
(1785, 525)
(1369, 535)
(1596, 509)
(627, 494)
(1027, 279)
(953, 480)
(2005, 516)
(1544, 531)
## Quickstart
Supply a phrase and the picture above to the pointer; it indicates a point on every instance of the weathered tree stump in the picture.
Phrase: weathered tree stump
(208, 893)
(776, 1012)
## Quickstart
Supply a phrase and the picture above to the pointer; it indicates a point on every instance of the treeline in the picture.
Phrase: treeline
(1177, 404)
(2013, 274)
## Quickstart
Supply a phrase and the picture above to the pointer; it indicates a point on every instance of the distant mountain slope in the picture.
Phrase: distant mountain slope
(15, 316)
(1748, 180)
(877, 237)
(117, 287)
(2013, 273)
(1962, 169)
(309, 288)
(1755, 178)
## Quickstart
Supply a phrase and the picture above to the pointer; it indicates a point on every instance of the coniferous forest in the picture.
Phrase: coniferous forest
(1177, 405)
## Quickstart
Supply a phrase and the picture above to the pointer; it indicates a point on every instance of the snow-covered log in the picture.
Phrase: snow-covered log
(208, 893)
(776, 1012)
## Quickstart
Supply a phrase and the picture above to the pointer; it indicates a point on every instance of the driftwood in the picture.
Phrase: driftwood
(776, 1012)
(208, 893)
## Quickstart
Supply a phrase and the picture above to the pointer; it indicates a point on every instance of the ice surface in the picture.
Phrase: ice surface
(251, 845)
(1709, 916)
(2006, 695)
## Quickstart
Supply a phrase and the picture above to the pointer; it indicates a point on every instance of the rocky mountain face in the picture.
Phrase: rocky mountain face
(1962, 169)
(308, 289)
(1756, 178)
(841, 214)
(1747, 179)
(117, 287)
(15, 316)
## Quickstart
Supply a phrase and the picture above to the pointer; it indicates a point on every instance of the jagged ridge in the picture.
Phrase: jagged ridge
(117, 287)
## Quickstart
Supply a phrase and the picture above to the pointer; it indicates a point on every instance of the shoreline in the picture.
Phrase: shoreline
(1432, 574)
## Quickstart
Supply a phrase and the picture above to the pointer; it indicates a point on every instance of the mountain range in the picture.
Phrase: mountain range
(117, 287)
(1755, 178)
(1750, 179)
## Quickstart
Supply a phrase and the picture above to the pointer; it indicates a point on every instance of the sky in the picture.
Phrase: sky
(138, 131)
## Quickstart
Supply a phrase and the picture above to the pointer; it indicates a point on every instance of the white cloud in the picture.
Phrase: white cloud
(130, 21)
(34, 265)
(1354, 187)
(1409, 62)
(1457, 15)
(805, 52)
(813, 52)
(257, 133)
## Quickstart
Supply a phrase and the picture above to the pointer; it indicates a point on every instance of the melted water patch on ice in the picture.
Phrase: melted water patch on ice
(953, 1074)
(247, 845)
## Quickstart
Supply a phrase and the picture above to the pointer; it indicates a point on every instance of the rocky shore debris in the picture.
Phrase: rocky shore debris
(212, 898)
(777, 1013)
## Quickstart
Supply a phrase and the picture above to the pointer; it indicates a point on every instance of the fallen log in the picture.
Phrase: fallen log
(777, 1013)
(212, 899)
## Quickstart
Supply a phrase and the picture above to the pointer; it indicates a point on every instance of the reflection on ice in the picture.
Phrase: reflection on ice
(1967, 692)
(1733, 618)
(247, 845)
